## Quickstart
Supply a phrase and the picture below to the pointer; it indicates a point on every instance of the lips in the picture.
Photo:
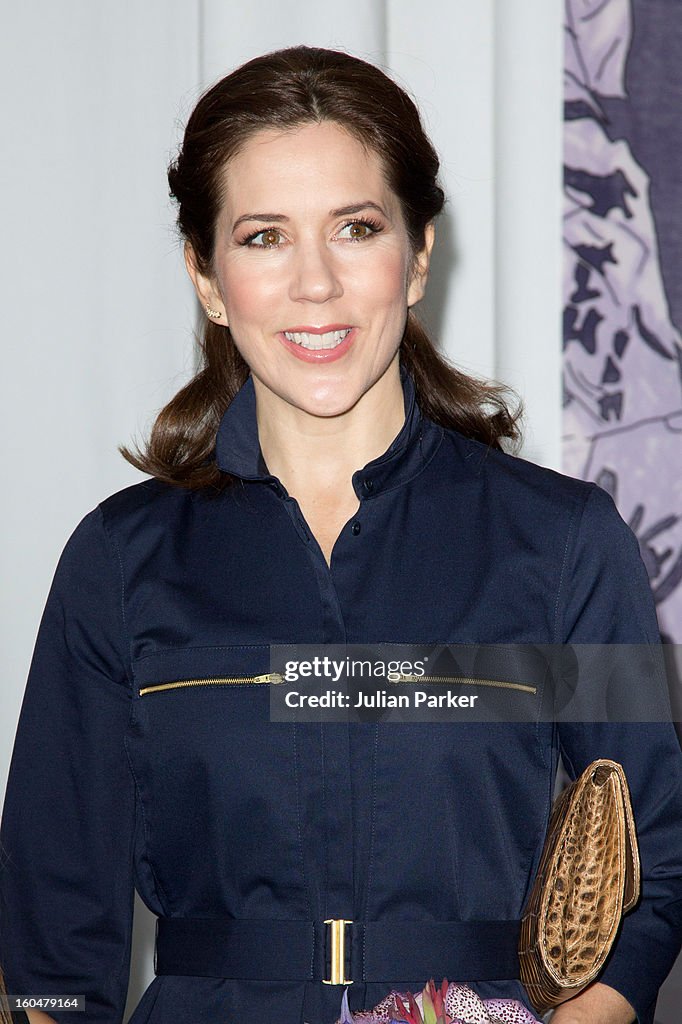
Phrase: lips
(315, 341)
(318, 344)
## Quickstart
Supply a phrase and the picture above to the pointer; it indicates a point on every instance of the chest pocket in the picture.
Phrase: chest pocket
(451, 683)
(217, 779)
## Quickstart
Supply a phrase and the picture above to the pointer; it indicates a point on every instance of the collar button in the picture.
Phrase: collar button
(368, 485)
(355, 528)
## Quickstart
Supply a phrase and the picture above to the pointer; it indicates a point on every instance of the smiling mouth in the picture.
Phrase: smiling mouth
(331, 339)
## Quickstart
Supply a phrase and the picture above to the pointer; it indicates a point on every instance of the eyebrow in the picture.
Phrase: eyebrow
(342, 211)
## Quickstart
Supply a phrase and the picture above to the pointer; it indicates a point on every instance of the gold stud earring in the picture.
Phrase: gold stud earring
(213, 313)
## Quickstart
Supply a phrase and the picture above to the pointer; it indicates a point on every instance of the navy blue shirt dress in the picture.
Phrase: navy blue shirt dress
(194, 797)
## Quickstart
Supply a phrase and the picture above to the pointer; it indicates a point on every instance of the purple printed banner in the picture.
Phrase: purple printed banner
(622, 418)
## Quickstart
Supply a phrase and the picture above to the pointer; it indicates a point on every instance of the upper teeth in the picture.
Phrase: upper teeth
(329, 340)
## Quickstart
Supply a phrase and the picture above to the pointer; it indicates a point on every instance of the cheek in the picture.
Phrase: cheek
(393, 275)
(248, 291)
(384, 284)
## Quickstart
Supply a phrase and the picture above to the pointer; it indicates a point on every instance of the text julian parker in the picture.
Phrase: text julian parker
(379, 699)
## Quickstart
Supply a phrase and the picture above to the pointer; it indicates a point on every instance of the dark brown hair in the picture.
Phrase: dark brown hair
(284, 90)
(5, 1015)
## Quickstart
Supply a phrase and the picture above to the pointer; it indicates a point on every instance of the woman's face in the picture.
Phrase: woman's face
(313, 269)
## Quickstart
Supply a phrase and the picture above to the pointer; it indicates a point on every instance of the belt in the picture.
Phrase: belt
(337, 952)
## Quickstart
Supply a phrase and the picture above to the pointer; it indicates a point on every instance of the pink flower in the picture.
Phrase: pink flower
(447, 1004)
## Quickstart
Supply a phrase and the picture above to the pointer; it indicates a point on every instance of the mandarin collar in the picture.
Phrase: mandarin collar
(238, 449)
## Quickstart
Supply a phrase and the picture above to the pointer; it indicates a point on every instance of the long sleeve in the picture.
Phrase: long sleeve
(608, 601)
(66, 881)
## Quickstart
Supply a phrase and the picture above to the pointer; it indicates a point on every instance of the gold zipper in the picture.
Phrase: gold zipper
(268, 677)
(466, 681)
(277, 677)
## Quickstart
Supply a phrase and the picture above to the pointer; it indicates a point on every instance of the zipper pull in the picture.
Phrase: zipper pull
(269, 677)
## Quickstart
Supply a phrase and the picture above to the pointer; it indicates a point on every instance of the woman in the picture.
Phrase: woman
(326, 478)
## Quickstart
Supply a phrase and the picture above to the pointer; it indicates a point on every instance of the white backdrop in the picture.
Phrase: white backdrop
(97, 315)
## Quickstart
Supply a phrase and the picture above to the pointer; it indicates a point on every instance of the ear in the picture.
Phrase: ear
(204, 286)
(420, 270)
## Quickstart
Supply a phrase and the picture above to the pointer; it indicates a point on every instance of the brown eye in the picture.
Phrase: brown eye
(358, 230)
(271, 237)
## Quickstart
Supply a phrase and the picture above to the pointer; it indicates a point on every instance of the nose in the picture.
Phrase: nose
(314, 276)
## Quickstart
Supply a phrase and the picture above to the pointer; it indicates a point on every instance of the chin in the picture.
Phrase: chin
(326, 407)
(325, 400)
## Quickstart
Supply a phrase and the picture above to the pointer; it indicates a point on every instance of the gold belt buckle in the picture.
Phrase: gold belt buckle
(338, 957)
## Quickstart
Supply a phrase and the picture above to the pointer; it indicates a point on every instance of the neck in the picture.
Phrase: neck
(307, 452)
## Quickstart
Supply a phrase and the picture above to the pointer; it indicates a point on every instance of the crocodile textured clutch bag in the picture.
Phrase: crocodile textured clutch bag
(588, 877)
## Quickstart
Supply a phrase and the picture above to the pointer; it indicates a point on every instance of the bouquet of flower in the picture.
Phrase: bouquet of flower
(448, 1004)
